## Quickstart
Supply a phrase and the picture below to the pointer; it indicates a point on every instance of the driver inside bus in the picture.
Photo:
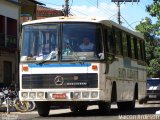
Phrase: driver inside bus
(86, 46)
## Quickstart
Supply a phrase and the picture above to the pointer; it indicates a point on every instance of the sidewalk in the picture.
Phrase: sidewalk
(52, 111)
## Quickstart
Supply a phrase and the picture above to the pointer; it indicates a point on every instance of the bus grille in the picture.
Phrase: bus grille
(36, 81)
(153, 91)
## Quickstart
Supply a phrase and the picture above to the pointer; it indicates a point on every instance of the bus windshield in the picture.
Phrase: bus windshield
(81, 41)
(153, 82)
(39, 42)
(73, 41)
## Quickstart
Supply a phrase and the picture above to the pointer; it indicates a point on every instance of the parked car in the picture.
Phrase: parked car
(153, 89)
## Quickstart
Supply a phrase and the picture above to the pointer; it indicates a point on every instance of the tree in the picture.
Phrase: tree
(154, 11)
(151, 34)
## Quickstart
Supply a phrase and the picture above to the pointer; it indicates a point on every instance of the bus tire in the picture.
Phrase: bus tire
(81, 108)
(114, 93)
(141, 101)
(128, 105)
(74, 108)
(43, 108)
(104, 107)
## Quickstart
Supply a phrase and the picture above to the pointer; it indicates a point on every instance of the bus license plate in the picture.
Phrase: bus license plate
(152, 96)
(59, 96)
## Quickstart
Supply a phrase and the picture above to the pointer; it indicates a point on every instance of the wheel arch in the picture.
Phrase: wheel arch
(136, 91)
(114, 92)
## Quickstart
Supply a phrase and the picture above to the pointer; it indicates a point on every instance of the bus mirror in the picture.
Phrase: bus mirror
(101, 55)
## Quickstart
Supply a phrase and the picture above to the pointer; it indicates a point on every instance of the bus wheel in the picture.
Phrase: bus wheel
(81, 108)
(74, 108)
(43, 108)
(129, 105)
(143, 101)
(104, 107)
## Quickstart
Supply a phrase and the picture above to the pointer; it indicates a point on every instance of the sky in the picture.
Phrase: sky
(132, 13)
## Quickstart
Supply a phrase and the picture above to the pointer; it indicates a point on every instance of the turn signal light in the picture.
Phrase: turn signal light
(94, 67)
(25, 68)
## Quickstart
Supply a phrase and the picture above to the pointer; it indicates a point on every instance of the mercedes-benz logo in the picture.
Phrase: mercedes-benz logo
(58, 80)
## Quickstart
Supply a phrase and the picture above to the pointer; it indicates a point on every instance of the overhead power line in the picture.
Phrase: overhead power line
(127, 22)
(100, 7)
(79, 12)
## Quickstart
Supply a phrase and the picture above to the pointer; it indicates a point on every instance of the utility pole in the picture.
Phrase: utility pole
(66, 8)
(119, 14)
(118, 3)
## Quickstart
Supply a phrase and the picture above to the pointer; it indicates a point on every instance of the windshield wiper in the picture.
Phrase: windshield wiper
(75, 55)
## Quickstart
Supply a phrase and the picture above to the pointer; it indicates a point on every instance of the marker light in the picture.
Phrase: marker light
(24, 94)
(94, 67)
(25, 68)
(77, 95)
(40, 95)
(85, 94)
(32, 95)
(94, 94)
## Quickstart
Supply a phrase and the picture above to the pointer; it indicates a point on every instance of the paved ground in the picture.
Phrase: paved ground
(142, 112)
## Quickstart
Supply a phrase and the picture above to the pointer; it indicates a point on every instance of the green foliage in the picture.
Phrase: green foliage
(151, 34)
(154, 9)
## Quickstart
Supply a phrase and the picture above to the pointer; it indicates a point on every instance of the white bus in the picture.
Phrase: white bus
(55, 71)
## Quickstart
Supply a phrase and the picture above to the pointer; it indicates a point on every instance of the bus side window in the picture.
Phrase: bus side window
(129, 46)
(118, 40)
(142, 50)
(135, 48)
(112, 42)
(140, 53)
(109, 40)
(132, 47)
(124, 42)
(106, 40)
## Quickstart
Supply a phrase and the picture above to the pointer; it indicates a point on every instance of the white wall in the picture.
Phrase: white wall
(9, 9)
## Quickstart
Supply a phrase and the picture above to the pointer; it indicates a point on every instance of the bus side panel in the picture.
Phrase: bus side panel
(142, 83)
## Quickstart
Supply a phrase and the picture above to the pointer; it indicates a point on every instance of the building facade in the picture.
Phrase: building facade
(34, 10)
(29, 10)
(9, 34)
(44, 12)
(12, 14)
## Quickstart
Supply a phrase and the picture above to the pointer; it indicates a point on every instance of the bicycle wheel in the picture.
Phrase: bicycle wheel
(21, 106)
(32, 106)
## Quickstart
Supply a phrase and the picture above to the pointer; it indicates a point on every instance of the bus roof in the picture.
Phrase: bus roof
(108, 23)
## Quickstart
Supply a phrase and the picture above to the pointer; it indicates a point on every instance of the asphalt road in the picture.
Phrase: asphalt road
(142, 112)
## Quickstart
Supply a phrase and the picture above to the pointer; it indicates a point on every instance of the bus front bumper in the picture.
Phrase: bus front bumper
(77, 95)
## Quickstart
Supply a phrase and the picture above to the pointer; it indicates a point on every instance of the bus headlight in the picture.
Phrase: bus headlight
(94, 94)
(40, 95)
(76, 95)
(32, 95)
(85, 94)
(24, 94)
